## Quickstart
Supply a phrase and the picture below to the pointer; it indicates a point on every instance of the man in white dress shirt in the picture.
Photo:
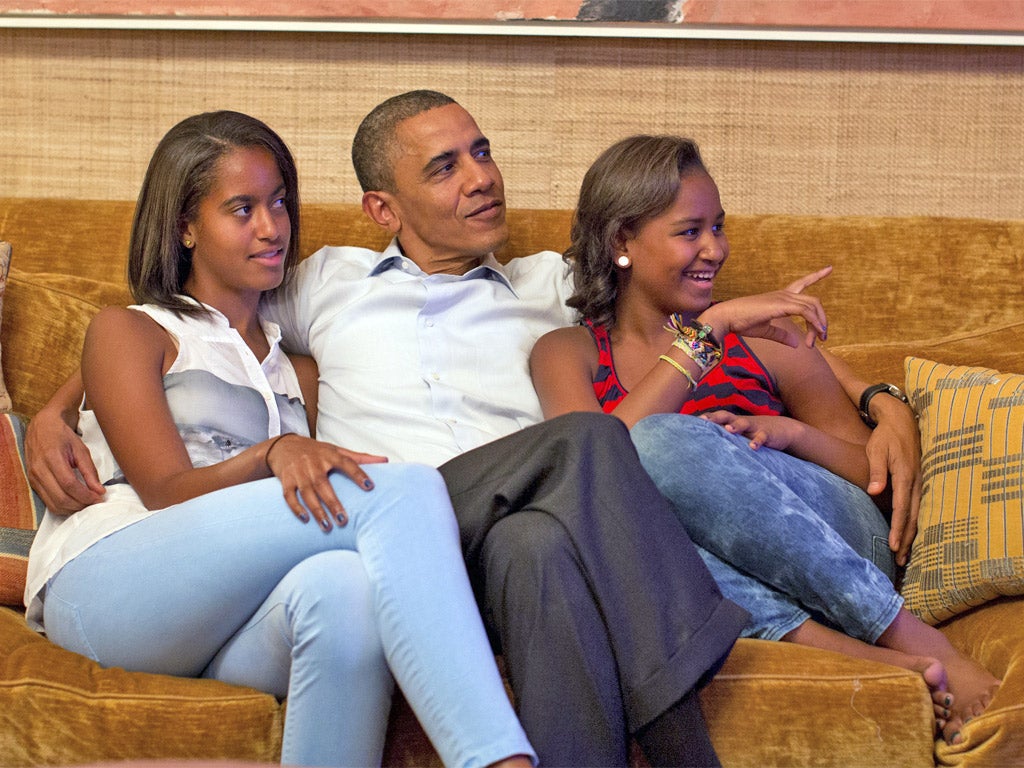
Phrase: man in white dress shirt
(605, 615)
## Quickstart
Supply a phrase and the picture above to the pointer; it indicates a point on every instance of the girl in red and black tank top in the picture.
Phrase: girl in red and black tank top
(738, 384)
(648, 241)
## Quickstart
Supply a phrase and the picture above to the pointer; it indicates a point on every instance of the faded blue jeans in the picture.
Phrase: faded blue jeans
(784, 538)
(231, 585)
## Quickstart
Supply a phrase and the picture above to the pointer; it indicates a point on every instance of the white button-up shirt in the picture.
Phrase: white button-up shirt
(420, 367)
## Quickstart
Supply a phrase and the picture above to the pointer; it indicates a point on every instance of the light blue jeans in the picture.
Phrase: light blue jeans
(784, 538)
(231, 585)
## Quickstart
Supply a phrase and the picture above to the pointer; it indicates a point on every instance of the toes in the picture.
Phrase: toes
(975, 708)
(951, 730)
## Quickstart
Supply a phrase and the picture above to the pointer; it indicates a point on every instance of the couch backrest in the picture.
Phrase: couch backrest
(910, 277)
(894, 279)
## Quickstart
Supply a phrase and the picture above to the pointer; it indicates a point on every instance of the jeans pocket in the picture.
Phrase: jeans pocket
(883, 557)
(63, 625)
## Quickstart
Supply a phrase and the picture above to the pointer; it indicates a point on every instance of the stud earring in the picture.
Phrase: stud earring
(187, 242)
(623, 261)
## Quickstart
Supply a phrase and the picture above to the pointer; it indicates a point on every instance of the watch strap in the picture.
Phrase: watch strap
(876, 389)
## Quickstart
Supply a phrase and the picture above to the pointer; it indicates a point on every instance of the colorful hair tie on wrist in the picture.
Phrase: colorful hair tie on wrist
(697, 341)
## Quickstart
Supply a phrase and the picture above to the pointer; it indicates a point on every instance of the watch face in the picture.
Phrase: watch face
(896, 392)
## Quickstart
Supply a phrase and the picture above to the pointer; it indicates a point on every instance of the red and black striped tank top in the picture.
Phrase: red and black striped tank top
(739, 383)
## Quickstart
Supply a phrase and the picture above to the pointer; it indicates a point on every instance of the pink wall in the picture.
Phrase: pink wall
(974, 15)
(966, 15)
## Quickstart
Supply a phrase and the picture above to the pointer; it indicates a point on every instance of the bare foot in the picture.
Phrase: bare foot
(931, 669)
(934, 674)
(971, 685)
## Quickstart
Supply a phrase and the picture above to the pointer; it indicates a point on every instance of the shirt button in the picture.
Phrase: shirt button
(435, 376)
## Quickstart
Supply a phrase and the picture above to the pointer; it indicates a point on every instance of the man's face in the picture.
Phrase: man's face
(449, 197)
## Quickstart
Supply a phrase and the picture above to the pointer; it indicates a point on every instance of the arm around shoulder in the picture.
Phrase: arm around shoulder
(59, 465)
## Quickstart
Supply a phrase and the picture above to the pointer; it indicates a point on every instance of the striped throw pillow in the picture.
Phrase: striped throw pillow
(20, 510)
(970, 542)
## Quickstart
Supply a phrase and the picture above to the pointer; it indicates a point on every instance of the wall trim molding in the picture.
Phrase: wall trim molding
(512, 28)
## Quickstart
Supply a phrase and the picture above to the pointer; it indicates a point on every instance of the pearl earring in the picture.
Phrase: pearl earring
(623, 261)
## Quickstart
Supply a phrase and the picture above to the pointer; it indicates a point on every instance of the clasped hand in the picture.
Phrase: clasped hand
(303, 465)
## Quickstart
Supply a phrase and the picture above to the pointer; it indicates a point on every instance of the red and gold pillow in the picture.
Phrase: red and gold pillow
(20, 510)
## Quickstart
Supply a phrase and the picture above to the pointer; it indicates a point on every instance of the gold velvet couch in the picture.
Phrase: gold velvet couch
(945, 289)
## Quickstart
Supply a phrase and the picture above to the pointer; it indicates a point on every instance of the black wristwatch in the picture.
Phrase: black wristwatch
(870, 392)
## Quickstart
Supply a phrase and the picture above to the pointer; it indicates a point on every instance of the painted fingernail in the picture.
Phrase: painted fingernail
(325, 524)
(340, 517)
(367, 483)
(947, 701)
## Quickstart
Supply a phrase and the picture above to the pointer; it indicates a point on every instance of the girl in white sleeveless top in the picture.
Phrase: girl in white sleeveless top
(230, 544)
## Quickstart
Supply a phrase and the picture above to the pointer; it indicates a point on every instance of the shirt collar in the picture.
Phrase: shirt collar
(393, 258)
(217, 318)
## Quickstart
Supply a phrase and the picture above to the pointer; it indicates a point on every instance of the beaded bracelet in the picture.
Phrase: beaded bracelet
(696, 341)
(675, 364)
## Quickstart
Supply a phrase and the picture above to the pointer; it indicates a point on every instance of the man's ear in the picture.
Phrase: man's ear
(381, 208)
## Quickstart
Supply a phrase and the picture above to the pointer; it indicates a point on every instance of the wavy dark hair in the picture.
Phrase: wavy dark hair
(629, 184)
(181, 174)
(373, 146)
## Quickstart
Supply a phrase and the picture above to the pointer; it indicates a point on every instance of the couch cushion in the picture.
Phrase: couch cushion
(5, 265)
(785, 704)
(20, 510)
(59, 708)
(992, 635)
(970, 542)
(996, 346)
(45, 318)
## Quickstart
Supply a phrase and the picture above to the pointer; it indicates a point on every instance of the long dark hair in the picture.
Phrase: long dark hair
(181, 173)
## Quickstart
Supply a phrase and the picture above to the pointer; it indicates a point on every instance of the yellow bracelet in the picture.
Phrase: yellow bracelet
(675, 364)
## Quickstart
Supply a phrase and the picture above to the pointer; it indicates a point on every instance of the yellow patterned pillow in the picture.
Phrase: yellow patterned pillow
(970, 541)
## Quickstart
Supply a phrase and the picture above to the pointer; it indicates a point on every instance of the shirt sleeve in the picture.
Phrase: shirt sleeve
(565, 286)
(289, 306)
